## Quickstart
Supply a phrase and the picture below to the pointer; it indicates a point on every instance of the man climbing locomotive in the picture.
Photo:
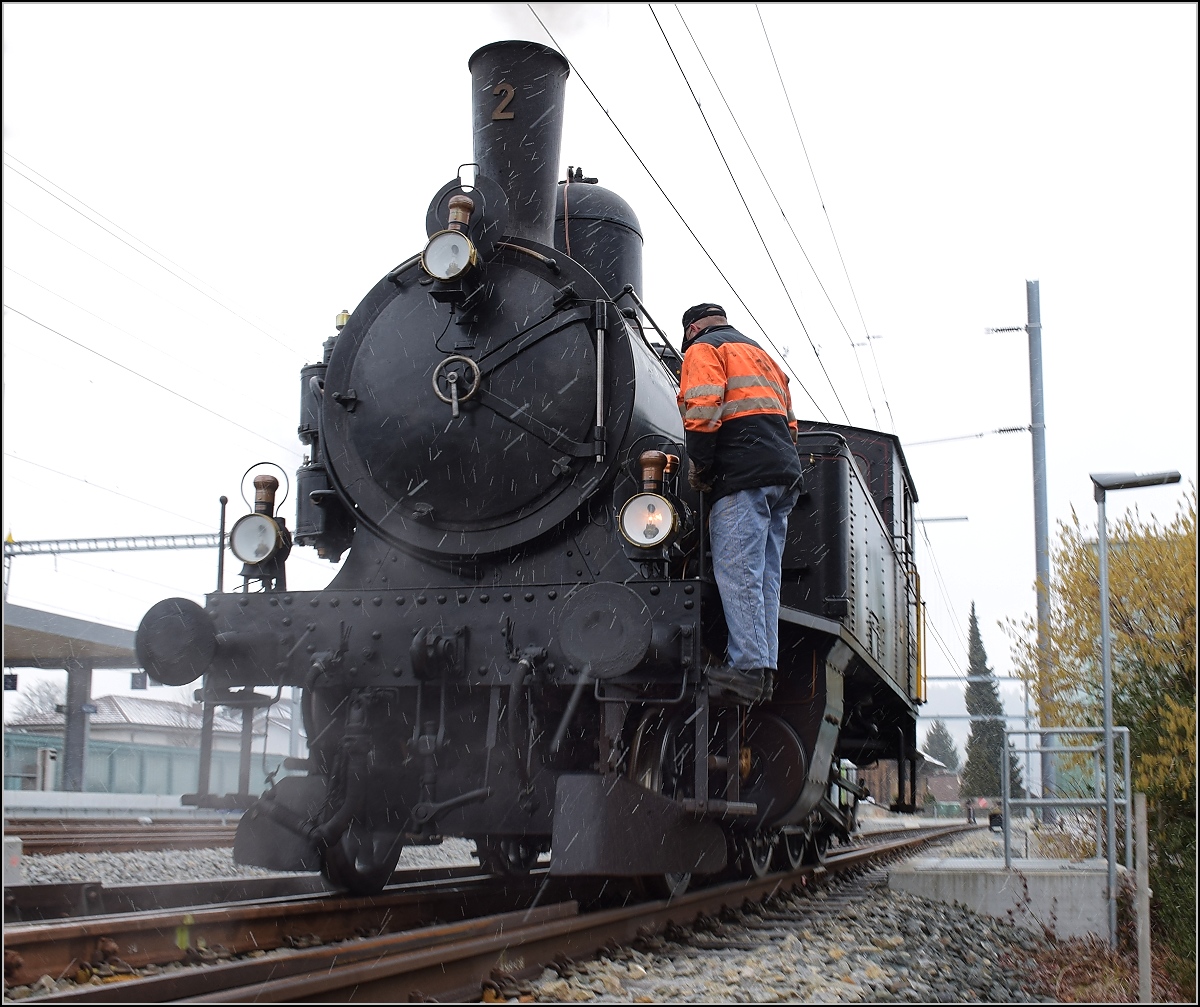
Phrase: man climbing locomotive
(741, 442)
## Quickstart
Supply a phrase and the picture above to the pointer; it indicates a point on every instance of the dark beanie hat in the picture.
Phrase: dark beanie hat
(698, 311)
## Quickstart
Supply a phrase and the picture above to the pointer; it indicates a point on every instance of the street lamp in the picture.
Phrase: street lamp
(1103, 482)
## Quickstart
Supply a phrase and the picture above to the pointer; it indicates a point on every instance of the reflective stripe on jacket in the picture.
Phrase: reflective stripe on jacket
(737, 411)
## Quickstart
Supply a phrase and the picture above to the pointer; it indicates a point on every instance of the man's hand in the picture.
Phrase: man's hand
(696, 480)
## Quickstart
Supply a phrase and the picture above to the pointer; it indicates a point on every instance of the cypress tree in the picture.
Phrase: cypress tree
(985, 745)
(940, 744)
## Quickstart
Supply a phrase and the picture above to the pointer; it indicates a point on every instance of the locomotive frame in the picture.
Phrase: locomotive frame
(501, 656)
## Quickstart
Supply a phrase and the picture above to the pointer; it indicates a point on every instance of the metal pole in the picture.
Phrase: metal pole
(247, 748)
(221, 549)
(203, 780)
(1124, 732)
(1004, 798)
(1143, 900)
(1110, 811)
(295, 718)
(1028, 752)
(78, 724)
(1041, 523)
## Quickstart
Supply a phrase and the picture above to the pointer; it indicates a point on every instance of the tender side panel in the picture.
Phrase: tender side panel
(840, 562)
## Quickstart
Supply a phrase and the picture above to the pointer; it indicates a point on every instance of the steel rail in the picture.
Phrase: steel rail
(65, 900)
(89, 836)
(203, 933)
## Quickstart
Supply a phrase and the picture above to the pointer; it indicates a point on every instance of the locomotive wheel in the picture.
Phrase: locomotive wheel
(755, 853)
(659, 761)
(361, 861)
(817, 848)
(791, 850)
(507, 856)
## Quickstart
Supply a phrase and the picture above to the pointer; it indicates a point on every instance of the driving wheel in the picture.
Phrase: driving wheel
(659, 760)
(755, 853)
(791, 850)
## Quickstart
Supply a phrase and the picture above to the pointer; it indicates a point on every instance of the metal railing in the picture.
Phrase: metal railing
(1106, 800)
(1099, 801)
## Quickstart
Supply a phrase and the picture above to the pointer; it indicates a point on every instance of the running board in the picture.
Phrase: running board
(719, 809)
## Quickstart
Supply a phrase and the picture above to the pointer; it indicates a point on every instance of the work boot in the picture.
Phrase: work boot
(768, 688)
(726, 684)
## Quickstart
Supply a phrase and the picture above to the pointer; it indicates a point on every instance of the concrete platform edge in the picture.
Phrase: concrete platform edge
(1059, 897)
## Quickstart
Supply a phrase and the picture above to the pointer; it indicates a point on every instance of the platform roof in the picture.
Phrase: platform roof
(36, 639)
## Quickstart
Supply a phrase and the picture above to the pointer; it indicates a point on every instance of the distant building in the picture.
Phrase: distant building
(881, 779)
(138, 720)
(944, 785)
(148, 746)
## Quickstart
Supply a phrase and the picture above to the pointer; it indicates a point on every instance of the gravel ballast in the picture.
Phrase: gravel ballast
(166, 866)
(889, 947)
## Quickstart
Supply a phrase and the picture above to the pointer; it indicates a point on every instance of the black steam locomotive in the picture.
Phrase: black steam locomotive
(513, 650)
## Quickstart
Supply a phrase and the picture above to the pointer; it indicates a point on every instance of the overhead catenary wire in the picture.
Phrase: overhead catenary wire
(812, 171)
(943, 646)
(110, 572)
(779, 207)
(670, 202)
(937, 573)
(118, 328)
(102, 262)
(113, 325)
(98, 486)
(753, 221)
(182, 279)
(970, 437)
(940, 641)
(107, 220)
(157, 384)
(96, 258)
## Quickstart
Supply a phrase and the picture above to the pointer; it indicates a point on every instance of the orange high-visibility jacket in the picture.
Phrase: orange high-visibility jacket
(737, 412)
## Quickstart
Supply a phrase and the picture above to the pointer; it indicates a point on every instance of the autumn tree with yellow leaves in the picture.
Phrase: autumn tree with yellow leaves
(1152, 613)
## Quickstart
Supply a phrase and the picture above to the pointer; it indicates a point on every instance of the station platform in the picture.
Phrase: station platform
(24, 804)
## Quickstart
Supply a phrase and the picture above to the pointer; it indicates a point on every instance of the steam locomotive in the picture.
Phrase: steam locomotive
(513, 650)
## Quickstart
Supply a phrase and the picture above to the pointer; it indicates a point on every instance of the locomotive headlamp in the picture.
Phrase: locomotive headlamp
(647, 520)
(254, 538)
(448, 255)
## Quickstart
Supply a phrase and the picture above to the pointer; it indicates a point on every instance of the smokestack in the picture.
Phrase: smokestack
(517, 92)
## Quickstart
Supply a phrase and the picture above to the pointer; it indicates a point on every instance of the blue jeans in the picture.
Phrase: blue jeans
(747, 530)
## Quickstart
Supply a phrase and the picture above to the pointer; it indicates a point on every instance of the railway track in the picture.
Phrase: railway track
(91, 835)
(426, 940)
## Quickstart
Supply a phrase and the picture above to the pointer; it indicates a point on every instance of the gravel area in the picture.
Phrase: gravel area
(164, 866)
(982, 844)
(855, 941)
(893, 947)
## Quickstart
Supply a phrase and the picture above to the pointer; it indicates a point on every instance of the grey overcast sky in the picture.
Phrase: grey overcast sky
(192, 192)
